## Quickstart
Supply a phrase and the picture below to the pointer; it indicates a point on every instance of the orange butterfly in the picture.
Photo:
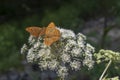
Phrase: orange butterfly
(51, 34)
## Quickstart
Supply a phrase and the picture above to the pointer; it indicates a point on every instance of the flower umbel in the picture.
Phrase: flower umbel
(69, 52)
(106, 55)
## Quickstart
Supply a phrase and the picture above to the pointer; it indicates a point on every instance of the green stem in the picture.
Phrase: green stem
(105, 70)
(105, 32)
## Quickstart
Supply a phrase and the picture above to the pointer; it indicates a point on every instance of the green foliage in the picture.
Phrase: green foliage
(10, 38)
(33, 20)
(67, 16)
(114, 78)
(104, 56)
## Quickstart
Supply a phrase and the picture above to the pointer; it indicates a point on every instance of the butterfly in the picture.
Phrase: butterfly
(50, 34)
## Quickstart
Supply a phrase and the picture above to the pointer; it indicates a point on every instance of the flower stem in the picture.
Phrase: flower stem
(105, 70)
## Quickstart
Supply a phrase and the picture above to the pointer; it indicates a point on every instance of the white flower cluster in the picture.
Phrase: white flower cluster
(70, 52)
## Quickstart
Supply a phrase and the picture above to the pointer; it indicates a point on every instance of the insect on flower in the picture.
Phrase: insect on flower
(71, 53)
(50, 34)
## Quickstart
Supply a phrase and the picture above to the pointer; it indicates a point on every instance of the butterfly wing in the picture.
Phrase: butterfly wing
(51, 25)
(51, 40)
(52, 34)
(48, 41)
(35, 31)
(51, 30)
(42, 32)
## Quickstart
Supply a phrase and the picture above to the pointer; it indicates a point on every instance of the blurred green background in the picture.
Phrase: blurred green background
(16, 15)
